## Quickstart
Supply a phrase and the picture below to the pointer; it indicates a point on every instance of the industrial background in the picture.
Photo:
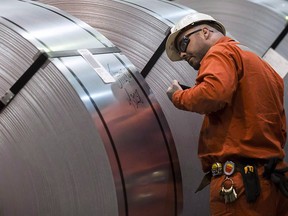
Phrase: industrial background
(86, 127)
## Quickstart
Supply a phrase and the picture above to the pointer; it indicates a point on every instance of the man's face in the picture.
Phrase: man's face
(191, 46)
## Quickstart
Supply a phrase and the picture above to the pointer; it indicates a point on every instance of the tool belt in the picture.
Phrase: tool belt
(248, 170)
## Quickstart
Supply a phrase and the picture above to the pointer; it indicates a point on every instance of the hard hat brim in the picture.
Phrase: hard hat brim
(171, 51)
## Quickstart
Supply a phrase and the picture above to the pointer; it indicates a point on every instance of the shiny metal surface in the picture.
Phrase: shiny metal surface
(71, 143)
(133, 133)
(138, 27)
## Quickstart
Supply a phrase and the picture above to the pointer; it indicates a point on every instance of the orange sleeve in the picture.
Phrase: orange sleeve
(216, 83)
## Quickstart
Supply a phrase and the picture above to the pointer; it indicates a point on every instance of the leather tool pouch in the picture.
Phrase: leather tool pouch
(251, 182)
(277, 176)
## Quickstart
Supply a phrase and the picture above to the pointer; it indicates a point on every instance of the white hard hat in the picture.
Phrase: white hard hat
(190, 19)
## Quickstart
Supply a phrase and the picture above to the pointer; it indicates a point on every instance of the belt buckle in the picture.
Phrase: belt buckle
(216, 169)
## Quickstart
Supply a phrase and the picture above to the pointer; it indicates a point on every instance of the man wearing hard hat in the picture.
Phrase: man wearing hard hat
(244, 129)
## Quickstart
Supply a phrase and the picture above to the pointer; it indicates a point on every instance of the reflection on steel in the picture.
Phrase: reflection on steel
(72, 144)
(137, 27)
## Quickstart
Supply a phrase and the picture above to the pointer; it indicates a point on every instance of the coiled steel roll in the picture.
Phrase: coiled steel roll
(124, 23)
(138, 27)
(84, 135)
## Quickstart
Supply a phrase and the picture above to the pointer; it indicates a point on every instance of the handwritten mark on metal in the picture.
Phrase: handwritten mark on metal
(124, 81)
(123, 77)
(134, 98)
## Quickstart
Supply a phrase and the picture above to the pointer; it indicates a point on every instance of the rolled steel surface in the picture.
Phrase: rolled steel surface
(81, 136)
(138, 28)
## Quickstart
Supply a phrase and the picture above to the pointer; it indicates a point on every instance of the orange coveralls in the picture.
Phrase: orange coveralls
(242, 99)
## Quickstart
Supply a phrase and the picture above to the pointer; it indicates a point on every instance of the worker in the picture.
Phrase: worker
(241, 142)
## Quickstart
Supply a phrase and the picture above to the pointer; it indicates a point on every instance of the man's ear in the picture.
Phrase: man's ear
(206, 32)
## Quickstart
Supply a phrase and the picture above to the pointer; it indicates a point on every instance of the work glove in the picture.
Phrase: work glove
(173, 88)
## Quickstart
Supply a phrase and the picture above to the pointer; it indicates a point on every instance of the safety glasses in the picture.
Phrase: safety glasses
(182, 46)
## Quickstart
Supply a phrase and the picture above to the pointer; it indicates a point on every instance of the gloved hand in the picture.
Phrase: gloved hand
(171, 89)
